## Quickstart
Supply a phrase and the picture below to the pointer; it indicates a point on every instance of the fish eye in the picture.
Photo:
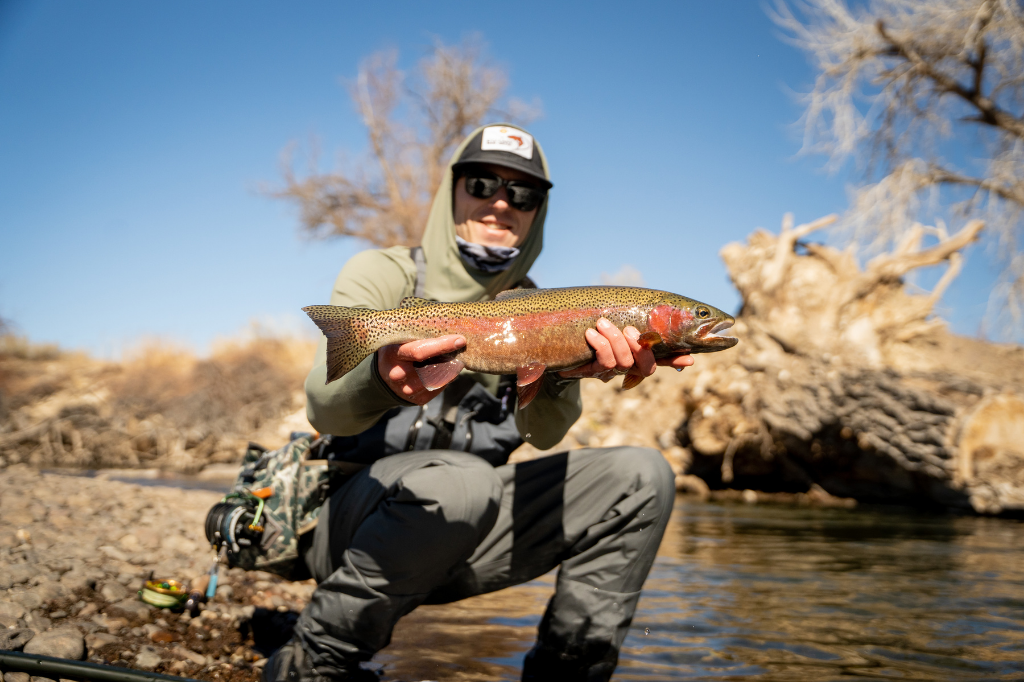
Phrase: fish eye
(703, 313)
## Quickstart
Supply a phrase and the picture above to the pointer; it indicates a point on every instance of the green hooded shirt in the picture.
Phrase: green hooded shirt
(381, 278)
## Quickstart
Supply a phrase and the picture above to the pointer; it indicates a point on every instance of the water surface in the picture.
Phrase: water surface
(743, 592)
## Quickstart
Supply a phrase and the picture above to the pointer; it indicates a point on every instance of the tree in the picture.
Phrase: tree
(928, 97)
(413, 128)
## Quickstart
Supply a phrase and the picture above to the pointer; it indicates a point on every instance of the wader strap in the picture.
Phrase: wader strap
(421, 271)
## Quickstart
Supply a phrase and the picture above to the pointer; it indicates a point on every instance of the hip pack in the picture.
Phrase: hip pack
(265, 522)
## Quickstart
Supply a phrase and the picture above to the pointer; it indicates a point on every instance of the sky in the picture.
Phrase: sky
(137, 142)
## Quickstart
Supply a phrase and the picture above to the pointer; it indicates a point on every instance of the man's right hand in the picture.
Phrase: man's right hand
(395, 365)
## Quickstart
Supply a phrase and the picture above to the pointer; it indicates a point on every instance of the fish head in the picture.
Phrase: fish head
(685, 324)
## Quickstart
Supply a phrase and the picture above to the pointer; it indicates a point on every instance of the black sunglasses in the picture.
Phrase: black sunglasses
(522, 196)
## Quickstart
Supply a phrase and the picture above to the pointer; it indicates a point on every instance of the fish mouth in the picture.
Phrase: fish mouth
(713, 338)
(716, 331)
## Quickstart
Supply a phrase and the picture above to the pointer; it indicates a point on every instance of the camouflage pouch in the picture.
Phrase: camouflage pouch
(286, 490)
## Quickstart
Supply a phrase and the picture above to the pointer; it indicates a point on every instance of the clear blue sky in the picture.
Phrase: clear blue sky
(134, 138)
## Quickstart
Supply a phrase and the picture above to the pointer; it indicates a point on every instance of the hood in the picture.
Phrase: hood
(449, 278)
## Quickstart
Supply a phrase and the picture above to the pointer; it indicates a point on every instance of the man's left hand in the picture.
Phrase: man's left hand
(619, 352)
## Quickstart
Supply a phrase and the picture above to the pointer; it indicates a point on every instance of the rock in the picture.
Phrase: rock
(148, 658)
(109, 622)
(75, 580)
(130, 543)
(98, 640)
(127, 579)
(41, 679)
(59, 613)
(113, 553)
(8, 622)
(88, 610)
(38, 622)
(66, 642)
(132, 607)
(14, 640)
(11, 609)
(16, 677)
(113, 591)
(19, 573)
(190, 655)
(51, 591)
(30, 600)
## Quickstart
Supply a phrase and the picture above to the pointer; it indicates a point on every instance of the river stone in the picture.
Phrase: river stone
(113, 553)
(109, 622)
(148, 658)
(77, 580)
(20, 573)
(16, 677)
(51, 591)
(61, 565)
(8, 622)
(30, 600)
(113, 591)
(38, 622)
(11, 609)
(65, 642)
(132, 607)
(13, 640)
(41, 679)
(98, 640)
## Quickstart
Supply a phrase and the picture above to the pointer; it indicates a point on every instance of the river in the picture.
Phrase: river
(758, 592)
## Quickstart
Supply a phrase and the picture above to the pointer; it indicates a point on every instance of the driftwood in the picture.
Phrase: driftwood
(843, 387)
(845, 381)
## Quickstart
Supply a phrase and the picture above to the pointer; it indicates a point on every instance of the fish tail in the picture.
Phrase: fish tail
(348, 340)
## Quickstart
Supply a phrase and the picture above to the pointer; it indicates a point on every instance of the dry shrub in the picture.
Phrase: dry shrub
(162, 407)
(240, 386)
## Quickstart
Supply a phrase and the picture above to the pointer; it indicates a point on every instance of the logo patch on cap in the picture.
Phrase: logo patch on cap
(506, 139)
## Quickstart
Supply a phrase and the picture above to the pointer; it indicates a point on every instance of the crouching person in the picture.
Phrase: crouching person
(438, 515)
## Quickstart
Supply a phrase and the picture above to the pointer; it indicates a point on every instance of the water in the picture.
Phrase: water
(742, 592)
(774, 593)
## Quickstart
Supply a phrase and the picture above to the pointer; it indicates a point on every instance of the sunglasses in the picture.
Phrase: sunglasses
(522, 196)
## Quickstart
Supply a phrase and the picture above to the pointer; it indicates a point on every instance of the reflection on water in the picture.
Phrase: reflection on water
(775, 593)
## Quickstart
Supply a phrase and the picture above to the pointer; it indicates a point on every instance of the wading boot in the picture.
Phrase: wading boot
(290, 663)
(546, 663)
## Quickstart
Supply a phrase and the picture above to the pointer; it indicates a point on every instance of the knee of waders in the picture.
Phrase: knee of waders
(461, 488)
(645, 467)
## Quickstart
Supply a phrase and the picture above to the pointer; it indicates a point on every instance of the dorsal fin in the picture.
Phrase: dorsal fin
(412, 302)
(514, 293)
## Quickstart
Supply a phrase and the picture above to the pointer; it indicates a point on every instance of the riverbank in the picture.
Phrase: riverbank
(759, 591)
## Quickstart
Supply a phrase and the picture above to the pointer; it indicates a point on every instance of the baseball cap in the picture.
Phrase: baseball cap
(504, 145)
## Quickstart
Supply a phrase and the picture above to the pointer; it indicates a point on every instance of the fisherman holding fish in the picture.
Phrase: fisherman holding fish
(439, 515)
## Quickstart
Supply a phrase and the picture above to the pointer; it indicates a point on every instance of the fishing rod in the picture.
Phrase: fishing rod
(57, 668)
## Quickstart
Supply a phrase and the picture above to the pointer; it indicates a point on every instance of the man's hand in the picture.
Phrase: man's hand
(395, 365)
(618, 352)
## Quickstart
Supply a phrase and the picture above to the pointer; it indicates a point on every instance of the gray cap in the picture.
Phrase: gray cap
(504, 145)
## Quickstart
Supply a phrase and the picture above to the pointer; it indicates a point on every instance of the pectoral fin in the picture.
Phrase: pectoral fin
(438, 372)
(528, 382)
(631, 381)
(648, 340)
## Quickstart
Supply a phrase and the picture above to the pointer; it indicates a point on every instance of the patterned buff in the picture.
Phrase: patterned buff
(486, 258)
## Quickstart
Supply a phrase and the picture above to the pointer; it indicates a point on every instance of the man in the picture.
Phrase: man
(438, 515)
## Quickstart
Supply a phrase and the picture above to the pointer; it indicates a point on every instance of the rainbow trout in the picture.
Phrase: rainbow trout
(525, 332)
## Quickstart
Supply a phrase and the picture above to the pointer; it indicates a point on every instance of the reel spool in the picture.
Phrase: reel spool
(233, 524)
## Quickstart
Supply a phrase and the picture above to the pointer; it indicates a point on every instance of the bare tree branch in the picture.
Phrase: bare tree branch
(413, 125)
(898, 79)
